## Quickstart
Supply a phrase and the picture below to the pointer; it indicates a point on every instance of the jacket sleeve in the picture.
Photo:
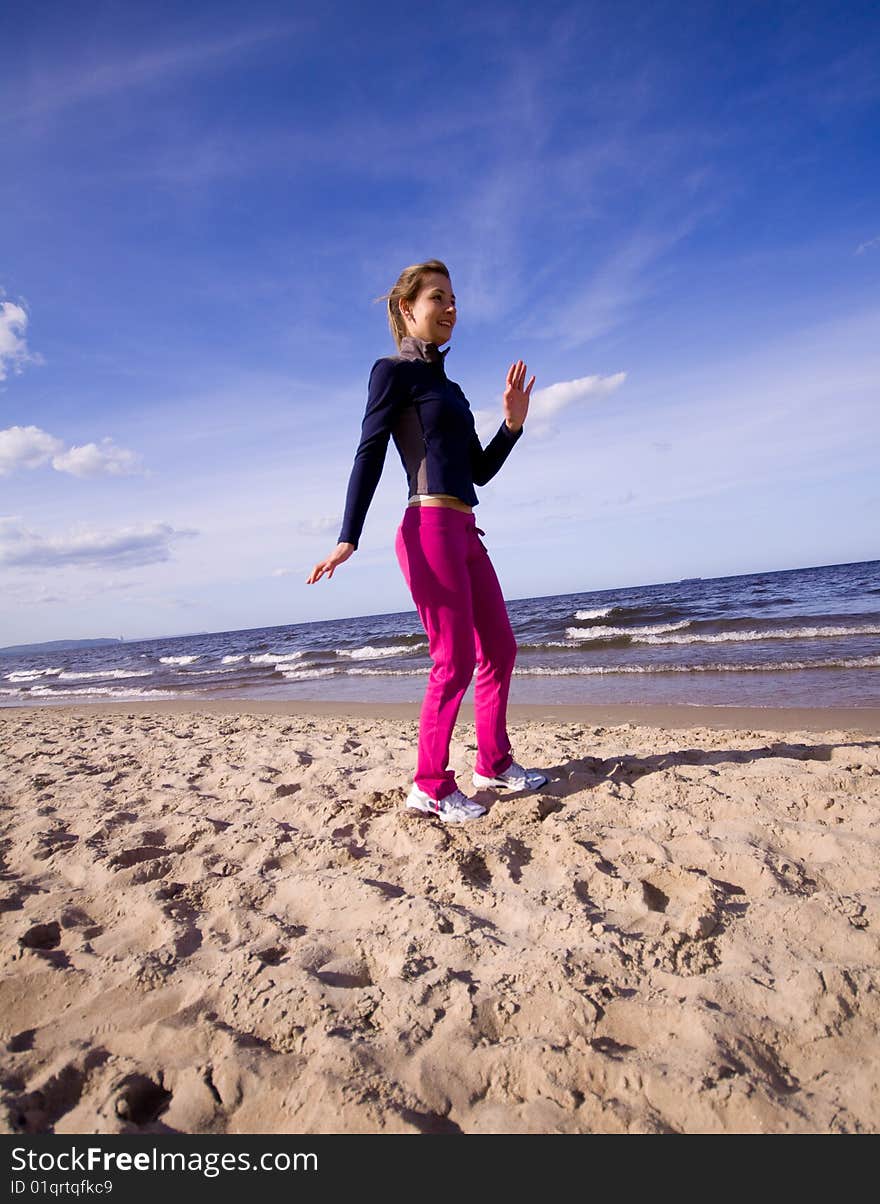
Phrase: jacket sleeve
(384, 400)
(485, 461)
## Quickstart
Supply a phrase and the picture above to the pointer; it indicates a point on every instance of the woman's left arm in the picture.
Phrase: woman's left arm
(487, 460)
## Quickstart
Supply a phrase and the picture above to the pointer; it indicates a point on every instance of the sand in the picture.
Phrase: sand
(219, 919)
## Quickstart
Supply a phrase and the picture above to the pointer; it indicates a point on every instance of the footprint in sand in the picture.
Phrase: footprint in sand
(139, 1100)
(129, 857)
(42, 936)
(687, 900)
(272, 955)
(39, 1110)
(146, 862)
(346, 972)
(59, 840)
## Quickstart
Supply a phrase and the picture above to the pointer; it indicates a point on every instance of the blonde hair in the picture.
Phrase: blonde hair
(407, 288)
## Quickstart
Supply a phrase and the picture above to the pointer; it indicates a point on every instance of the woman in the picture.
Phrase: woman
(446, 566)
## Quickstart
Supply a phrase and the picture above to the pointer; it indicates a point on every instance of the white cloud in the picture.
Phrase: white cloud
(867, 246)
(30, 447)
(549, 401)
(13, 345)
(546, 403)
(26, 447)
(90, 460)
(128, 547)
(89, 81)
(321, 525)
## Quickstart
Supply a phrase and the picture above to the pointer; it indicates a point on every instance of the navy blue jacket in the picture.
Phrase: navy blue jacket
(413, 401)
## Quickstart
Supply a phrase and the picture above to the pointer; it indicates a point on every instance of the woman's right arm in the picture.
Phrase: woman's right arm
(384, 399)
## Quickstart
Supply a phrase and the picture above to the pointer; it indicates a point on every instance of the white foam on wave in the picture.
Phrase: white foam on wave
(108, 691)
(177, 660)
(369, 653)
(275, 658)
(302, 674)
(386, 672)
(31, 674)
(856, 662)
(209, 672)
(735, 637)
(232, 660)
(106, 673)
(608, 633)
(594, 614)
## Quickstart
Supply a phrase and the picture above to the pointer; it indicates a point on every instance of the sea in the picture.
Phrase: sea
(801, 637)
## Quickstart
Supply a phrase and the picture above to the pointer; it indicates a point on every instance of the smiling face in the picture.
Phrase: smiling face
(432, 315)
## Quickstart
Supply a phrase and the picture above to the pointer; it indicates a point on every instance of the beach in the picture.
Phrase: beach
(217, 917)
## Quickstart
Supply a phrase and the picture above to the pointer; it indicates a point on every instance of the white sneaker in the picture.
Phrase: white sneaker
(455, 808)
(514, 779)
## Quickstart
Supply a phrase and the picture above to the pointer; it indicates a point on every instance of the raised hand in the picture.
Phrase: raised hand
(340, 553)
(516, 398)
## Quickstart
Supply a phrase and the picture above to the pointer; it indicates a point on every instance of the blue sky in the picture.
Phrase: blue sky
(670, 211)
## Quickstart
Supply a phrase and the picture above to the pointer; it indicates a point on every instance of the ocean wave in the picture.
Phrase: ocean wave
(31, 674)
(233, 660)
(386, 672)
(857, 662)
(369, 653)
(275, 658)
(209, 672)
(178, 660)
(863, 662)
(545, 644)
(784, 633)
(302, 674)
(602, 613)
(111, 691)
(609, 633)
(72, 676)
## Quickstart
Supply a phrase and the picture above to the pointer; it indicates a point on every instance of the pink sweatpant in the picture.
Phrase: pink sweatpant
(459, 600)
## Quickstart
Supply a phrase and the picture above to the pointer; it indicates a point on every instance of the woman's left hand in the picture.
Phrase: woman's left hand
(516, 398)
